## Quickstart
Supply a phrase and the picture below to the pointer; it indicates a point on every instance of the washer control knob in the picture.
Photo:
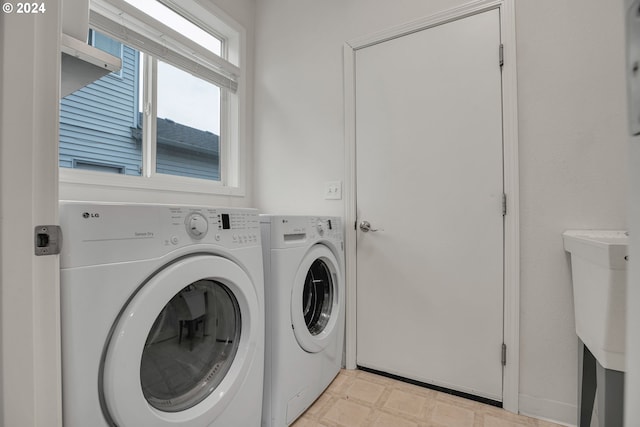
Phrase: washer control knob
(197, 225)
(320, 228)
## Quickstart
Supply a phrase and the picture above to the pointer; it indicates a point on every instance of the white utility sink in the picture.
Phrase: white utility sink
(598, 265)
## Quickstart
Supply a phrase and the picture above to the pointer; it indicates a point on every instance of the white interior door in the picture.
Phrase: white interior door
(429, 159)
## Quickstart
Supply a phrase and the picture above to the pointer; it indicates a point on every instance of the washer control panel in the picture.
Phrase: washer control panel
(326, 227)
(96, 233)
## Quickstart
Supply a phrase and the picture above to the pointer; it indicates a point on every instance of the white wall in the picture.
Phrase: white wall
(572, 144)
(298, 129)
(632, 378)
(573, 168)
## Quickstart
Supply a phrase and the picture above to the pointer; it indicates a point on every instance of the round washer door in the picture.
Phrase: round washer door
(182, 347)
(316, 299)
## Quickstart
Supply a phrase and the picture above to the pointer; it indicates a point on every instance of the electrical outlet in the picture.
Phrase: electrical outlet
(333, 190)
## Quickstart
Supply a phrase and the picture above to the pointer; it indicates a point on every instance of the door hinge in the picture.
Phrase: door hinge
(504, 204)
(501, 55)
(504, 354)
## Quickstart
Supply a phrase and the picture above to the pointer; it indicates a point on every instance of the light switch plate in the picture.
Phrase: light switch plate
(333, 190)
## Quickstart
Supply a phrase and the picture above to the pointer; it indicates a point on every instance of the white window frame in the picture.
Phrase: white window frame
(85, 184)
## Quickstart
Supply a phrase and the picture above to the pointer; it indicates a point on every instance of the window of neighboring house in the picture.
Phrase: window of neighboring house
(95, 166)
(171, 116)
(107, 44)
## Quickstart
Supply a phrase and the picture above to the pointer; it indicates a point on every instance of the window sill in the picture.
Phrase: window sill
(89, 185)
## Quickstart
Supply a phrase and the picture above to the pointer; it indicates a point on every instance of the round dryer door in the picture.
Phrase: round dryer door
(183, 345)
(316, 299)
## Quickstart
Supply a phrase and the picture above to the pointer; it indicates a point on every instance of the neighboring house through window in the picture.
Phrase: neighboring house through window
(171, 111)
(107, 44)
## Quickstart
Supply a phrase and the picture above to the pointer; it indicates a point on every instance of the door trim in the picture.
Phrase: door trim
(511, 379)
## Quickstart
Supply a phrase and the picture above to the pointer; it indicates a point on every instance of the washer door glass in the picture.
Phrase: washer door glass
(191, 346)
(317, 297)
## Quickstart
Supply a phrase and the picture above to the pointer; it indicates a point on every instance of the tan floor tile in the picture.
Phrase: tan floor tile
(415, 389)
(340, 383)
(491, 421)
(365, 390)
(379, 379)
(363, 399)
(499, 413)
(543, 423)
(319, 404)
(406, 403)
(305, 422)
(347, 413)
(452, 416)
(462, 402)
(387, 420)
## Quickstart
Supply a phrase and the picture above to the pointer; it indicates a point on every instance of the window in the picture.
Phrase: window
(171, 118)
(108, 45)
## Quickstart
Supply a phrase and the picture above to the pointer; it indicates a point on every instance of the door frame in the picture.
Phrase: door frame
(30, 376)
(511, 331)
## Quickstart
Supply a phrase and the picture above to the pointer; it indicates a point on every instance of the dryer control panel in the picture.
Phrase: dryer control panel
(289, 231)
(232, 228)
(100, 233)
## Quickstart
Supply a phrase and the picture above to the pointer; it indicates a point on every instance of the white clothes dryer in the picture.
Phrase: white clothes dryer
(305, 304)
(162, 316)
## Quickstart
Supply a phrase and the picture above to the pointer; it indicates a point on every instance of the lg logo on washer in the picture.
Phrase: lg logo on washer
(87, 215)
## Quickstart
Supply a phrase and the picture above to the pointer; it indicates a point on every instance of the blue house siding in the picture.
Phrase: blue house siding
(186, 151)
(100, 129)
(175, 162)
(96, 122)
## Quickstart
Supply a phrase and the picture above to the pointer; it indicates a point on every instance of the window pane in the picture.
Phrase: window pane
(99, 122)
(179, 23)
(106, 43)
(188, 125)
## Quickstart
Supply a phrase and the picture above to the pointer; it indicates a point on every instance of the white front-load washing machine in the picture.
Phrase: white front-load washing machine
(305, 304)
(162, 316)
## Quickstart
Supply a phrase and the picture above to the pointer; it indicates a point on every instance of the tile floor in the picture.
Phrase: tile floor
(362, 399)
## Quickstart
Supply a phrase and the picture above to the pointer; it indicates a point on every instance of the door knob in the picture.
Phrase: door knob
(365, 226)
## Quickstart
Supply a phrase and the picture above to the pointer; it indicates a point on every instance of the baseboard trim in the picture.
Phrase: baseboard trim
(548, 410)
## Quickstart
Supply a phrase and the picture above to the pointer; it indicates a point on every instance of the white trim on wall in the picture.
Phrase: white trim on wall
(511, 178)
(556, 411)
(30, 357)
(350, 213)
(511, 379)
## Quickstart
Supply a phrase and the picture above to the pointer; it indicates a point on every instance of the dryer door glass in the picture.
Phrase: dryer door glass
(317, 297)
(191, 346)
